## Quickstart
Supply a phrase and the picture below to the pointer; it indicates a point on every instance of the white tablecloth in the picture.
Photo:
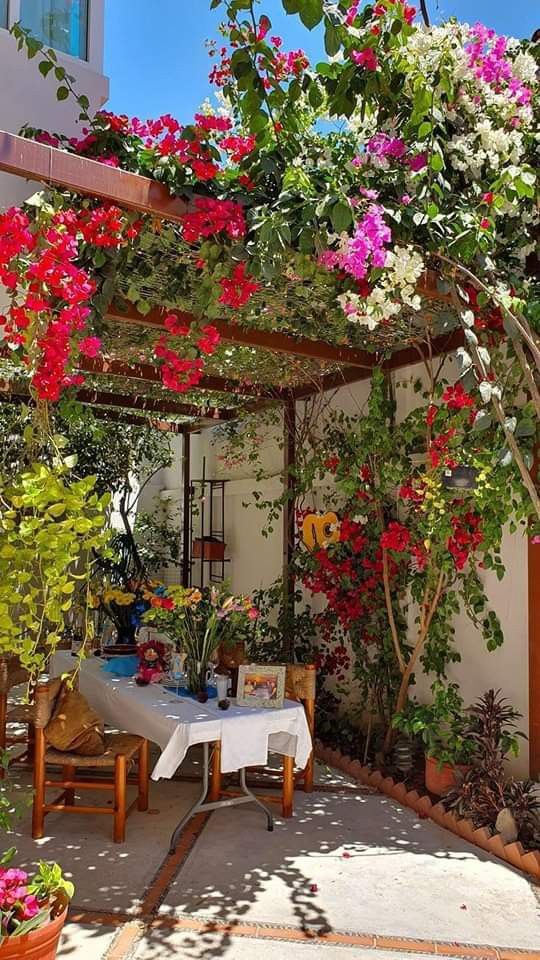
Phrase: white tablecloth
(176, 723)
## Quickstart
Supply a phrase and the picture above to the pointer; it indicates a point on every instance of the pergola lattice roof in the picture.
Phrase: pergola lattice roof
(254, 363)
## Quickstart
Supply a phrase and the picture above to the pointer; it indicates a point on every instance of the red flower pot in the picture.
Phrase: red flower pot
(208, 549)
(40, 944)
(441, 779)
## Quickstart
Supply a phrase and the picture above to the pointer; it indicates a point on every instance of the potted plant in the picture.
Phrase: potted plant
(32, 910)
(444, 727)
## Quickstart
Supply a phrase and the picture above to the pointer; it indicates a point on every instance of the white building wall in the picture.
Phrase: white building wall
(28, 97)
(257, 562)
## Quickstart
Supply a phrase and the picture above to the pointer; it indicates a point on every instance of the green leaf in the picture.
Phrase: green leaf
(62, 93)
(45, 67)
(437, 162)
(331, 40)
(311, 13)
(341, 216)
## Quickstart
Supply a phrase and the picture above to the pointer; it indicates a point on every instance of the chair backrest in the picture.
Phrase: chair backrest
(12, 673)
(301, 681)
(46, 696)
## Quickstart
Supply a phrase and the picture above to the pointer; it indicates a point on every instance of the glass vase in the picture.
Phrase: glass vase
(196, 673)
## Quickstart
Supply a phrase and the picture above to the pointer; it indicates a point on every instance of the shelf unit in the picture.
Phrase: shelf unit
(207, 512)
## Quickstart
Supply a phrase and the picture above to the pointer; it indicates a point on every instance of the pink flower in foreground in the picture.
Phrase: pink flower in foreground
(365, 58)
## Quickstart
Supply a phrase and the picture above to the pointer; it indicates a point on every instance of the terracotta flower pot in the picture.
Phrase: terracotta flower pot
(40, 944)
(441, 779)
(208, 549)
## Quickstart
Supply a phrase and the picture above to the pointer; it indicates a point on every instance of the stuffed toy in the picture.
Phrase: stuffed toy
(152, 662)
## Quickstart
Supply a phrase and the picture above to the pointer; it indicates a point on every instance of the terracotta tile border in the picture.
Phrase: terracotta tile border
(512, 853)
(133, 931)
(254, 931)
(172, 864)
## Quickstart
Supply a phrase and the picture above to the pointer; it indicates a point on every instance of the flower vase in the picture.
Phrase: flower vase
(196, 674)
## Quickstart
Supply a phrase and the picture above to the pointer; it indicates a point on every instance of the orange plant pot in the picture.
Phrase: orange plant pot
(40, 944)
(208, 549)
(441, 779)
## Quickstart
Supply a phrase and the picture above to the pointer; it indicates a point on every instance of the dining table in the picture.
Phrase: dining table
(232, 740)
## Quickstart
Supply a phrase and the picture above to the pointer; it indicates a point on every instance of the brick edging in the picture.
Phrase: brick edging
(528, 861)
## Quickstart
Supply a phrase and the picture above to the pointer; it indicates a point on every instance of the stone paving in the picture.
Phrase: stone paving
(351, 875)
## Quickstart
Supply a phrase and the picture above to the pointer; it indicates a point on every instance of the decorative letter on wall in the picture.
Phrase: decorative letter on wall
(318, 530)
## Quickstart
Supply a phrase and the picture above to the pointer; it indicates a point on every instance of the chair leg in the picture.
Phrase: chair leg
(288, 787)
(142, 800)
(215, 783)
(68, 773)
(309, 707)
(38, 813)
(3, 725)
(120, 780)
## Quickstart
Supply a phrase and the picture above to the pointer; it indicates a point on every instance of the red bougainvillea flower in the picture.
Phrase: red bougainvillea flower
(365, 58)
(90, 346)
(211, 217)
(395, 537)
(239, 288)
(456, 398)
(209, 341)
(238, 147)
(467, 535)
(176, 326)
(431, 414)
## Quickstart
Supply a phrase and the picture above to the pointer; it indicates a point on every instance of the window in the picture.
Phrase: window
(3, 13)
(62, 24)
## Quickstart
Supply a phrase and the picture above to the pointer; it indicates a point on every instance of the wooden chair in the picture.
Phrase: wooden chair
(121, 749)
(12, 674)
(300, 684)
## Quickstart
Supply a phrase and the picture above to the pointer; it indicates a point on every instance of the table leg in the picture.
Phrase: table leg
(200, 806)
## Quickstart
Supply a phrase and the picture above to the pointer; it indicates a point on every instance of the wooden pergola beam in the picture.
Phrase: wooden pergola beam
(117, 416)
(146, 371)
(151, 405)
(445, 343)
(263, 339)
(49, 165)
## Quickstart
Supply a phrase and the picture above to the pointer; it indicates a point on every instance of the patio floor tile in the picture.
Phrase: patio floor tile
(108, 877)
(403, 876)
(85, 941)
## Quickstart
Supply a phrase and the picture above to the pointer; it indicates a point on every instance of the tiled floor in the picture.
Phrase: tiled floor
(352, 875)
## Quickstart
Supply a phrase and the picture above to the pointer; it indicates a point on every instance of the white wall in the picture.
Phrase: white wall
(27, 97)
(257, 562)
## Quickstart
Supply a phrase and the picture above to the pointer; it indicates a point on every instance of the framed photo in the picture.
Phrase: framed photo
(260, 685)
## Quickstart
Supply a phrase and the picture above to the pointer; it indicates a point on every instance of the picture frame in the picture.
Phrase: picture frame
(261, 685)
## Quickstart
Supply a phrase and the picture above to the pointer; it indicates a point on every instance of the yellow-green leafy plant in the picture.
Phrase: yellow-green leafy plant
(50, 526)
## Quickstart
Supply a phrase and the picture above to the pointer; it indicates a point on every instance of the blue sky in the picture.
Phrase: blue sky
(157, 62)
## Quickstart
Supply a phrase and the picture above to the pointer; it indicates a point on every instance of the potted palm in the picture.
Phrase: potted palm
(32, 910)
(443, 726)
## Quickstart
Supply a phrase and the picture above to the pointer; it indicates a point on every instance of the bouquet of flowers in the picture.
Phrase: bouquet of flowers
(124, 605)
(198, 621)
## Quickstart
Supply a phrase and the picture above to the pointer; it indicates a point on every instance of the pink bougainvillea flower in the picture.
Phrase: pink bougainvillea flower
(365, 58)
(418, 162)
